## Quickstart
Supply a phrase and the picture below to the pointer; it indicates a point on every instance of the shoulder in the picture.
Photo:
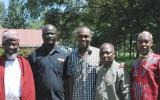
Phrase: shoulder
(32, 55)
(73, 52)
(22, 59)
(94, 49)
(116, 65)
(119, 70)
(154, 55)
(62, 51)
(65, 49)
(94, 53)
(39, 50)
(154, 58)
(36, 52)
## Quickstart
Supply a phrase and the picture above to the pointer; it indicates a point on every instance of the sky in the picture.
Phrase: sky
(6, 2)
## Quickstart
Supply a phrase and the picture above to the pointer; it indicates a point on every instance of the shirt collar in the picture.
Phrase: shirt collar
(145, 56)
(89, 50)
(109, 66)
(56, 48)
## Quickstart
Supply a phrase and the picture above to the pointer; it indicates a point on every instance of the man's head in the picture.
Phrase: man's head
(107, 54)
(84, 36)
(10, 43)
(49, 34)
(144, 43)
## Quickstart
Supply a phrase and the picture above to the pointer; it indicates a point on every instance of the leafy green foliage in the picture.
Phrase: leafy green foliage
(36, 24)
(25, 51)
(1, 51)
(16, 15)
(115, 21)
(2, 13)
(22, 51)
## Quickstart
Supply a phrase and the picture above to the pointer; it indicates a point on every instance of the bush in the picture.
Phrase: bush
(22, 51)
(128, 61)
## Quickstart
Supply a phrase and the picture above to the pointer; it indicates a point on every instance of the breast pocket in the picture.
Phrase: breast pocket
(76, 72)
(110, 78)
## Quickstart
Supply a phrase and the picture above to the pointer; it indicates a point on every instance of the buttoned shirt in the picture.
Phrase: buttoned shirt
(112, 83)
(83, 72)
(47, 69)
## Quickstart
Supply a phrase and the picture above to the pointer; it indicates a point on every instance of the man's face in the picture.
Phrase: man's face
(144, 44)
(10, 46)
(49, 38)
(107, 55)
(84, 39)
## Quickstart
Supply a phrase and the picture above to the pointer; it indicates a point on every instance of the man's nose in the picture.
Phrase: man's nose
(105, 55)
(11, 46)
(143, 43)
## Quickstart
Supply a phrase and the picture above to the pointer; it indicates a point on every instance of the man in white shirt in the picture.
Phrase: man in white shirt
(16, 79)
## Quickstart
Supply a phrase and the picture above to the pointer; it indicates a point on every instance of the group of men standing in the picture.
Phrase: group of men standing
(86, 73)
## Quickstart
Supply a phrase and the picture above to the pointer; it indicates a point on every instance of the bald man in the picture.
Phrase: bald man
(145, 71)
(16, 79)
(113, 82)
(47, 66)
(80, 77)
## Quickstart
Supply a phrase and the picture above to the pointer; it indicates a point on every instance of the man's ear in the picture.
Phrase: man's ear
(114, 55)
(151, 42)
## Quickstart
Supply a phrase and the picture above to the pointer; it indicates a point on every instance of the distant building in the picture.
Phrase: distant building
(30, 38)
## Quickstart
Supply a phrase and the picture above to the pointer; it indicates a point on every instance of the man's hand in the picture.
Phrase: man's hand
(123, 65)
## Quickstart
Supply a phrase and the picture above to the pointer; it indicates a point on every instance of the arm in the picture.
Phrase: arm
(68, 86)
(28, 87)
(68, 81)
(159, 79)
(30, 84)
(31, 60)
(124, 84)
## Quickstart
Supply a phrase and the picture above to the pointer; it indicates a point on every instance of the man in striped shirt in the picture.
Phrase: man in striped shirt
(145, 72)
(80, 74)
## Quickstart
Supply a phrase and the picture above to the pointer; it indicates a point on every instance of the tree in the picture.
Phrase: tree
(38, 24)
(115, 21)
(16, 15)
(64, 14)
(2, 13)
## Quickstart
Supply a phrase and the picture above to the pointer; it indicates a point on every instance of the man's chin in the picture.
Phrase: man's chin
(107, 63)
(49, 44)
(84, 46)
(144, 53)
(11, 57)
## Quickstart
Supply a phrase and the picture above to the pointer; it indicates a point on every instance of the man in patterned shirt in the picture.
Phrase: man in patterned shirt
(80, 74)
(145, 72)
